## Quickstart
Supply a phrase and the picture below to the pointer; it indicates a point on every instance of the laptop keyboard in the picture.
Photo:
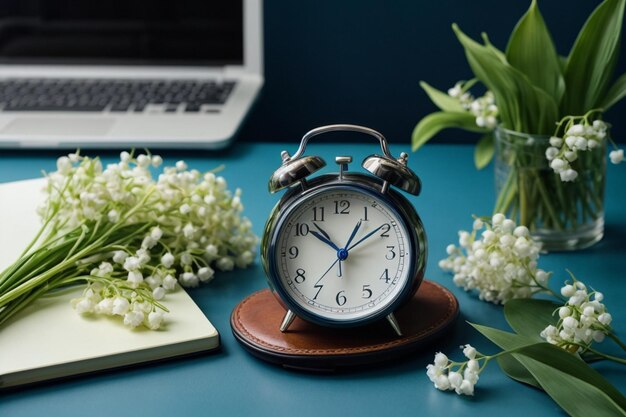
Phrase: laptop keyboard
(99, 95)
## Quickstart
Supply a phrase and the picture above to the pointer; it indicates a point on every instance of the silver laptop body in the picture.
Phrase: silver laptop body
(157, 77)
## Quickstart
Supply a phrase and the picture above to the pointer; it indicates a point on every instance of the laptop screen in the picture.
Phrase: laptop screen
(118, 32)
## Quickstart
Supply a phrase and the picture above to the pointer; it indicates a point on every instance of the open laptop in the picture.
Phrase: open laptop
(127, 73)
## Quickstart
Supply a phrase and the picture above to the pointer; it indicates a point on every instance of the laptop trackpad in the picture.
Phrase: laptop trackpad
(59, 126)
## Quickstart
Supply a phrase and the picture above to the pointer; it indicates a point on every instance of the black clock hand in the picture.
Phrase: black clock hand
(329, 268)
(356, 229)
(325, 238)
(352, 235)
(367, 236)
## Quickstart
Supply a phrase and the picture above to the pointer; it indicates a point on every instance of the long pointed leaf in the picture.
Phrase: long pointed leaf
(523, 107)
(528, 352)
(491, 47)
(528, 317)
(484, 150)
(532, 51)
(571, 383)
(432, 124)
(593, 58)
(441, 99)
(514, 369)
(616, 93)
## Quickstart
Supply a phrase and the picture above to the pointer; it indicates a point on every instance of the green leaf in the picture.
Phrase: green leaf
(615, 94)
(432, 124)
(532, 51)
(553, 368)
(506, 340)
(522, 106)
(498, 53)
(483, 153)
(514, 369)
(509, 364)
(579, 389)
(441, 99)
(528, 317)
(593, 58)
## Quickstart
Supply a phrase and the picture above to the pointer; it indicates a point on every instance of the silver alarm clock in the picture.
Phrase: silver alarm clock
(344, 249)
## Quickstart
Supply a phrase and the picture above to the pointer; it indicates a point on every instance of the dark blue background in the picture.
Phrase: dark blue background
(360, 61)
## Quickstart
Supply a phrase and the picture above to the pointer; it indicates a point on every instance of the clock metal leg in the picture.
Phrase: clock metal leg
(289, 316)
(394, 323)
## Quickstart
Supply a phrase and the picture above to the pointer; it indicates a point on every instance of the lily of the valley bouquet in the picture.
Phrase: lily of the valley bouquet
(546, 112)
(129, 237)
(552, 339)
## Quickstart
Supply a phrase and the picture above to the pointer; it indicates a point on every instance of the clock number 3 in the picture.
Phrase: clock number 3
(391, 254)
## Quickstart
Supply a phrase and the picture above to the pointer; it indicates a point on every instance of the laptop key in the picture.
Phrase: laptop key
(120, 107)
(52, 108)
(192, 107)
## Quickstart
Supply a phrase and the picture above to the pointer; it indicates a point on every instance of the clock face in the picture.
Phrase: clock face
(343, 255)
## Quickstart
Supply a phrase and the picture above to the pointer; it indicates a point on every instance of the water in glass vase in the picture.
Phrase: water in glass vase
(561, 215)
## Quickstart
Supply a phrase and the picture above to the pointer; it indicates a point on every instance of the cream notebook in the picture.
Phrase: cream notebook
(50, 340)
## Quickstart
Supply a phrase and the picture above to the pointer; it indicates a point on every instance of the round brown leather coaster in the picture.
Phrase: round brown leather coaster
(255, 322)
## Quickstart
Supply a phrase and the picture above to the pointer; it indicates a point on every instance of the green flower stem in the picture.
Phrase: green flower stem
(617, 340)
(605, 356)
(19, 304)
(36, 262)
(548, 205)
(506, 196)
(60, 268)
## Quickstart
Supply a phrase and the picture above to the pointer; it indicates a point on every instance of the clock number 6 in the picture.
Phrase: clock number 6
(340, 298)
(300, 276)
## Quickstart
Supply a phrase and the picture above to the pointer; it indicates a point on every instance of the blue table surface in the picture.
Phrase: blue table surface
(232, 382)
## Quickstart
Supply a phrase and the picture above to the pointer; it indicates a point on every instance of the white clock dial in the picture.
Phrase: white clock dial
(343, 254)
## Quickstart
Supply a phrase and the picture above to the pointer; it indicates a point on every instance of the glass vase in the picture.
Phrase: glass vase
(561, 215)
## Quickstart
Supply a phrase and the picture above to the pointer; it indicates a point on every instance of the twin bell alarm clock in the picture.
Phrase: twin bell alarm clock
(344, 249)
(344, 255)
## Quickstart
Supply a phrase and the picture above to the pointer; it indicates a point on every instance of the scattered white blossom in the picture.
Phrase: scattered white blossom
(616, 156)
(500, 262)
(583, 319)
(458, 376)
